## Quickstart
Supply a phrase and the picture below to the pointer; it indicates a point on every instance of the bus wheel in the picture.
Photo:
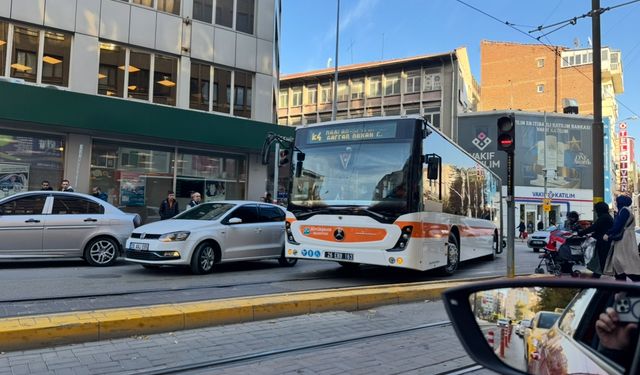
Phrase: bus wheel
(453, 256)
(349, 266)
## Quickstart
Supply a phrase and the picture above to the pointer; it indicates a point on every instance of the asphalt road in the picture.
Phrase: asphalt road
(60, 286)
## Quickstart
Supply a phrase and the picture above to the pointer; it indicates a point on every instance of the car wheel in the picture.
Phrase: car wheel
(453, 257)
(286, 262)
(203, 259)
(101, 252)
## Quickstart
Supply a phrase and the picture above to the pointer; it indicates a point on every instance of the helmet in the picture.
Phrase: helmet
(573, 215)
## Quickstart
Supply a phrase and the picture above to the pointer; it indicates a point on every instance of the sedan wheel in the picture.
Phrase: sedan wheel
(101, 252)
(203, 259)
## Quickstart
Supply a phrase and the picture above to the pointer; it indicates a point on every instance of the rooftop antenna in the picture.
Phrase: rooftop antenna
(589, 41)
(576, 42)
(329, 60)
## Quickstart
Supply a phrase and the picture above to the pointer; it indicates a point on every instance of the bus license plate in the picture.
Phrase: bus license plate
(139, 246)
(339, 256)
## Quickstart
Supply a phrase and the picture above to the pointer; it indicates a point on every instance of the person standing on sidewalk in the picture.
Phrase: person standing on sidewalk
(169, 207)
(623, 259)
(65, 185)
(521, 229)
(599, 228)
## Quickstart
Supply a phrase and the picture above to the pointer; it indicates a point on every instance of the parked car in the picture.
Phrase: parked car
(539, 239)
(522, 326)
(582, 340)
(52, 224)
(535, 334)
(210, 233)
(504, 323)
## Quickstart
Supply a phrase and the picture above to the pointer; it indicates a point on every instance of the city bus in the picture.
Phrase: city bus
(390, 191)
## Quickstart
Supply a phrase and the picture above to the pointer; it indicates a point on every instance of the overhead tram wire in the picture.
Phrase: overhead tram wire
(554, 50)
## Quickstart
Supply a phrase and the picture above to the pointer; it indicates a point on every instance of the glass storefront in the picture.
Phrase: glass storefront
(137, 178)
(26, 159)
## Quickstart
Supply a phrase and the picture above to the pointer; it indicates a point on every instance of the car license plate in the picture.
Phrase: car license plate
(339, 256)
(139, 246)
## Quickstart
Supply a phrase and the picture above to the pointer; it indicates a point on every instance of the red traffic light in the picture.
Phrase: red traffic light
(505, 141)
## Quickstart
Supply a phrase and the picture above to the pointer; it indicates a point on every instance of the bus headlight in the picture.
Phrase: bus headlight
(289, 232)
(405, 236)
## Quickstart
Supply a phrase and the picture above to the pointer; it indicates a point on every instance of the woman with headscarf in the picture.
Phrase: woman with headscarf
(599, 228)
(623, 259)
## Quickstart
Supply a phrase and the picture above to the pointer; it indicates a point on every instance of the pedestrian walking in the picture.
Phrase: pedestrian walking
(65, 185)
(623, 259)
(521, 229)
(599, 228)
(97, 192)
(196, 199)
(169, 207)
(45, 185)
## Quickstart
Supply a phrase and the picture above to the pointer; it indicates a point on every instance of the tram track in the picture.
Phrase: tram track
(249, 358)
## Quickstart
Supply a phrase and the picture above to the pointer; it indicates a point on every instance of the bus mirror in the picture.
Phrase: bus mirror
(298, 168)
(433, 166)
(300, 156)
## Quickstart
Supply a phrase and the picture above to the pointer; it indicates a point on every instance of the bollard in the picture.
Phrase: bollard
(491, 339)
(502, 339)
(506, 337)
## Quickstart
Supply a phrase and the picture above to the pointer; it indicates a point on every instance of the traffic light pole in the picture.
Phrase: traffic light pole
(511, 217)
(597, 131)
(276, 170)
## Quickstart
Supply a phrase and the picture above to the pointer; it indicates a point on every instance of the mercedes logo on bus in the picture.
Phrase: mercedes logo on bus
(338, 234)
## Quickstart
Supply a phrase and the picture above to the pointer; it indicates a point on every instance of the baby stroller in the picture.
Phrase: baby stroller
(563, 251)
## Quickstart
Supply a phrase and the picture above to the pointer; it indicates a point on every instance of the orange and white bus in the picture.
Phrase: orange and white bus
(390, 191)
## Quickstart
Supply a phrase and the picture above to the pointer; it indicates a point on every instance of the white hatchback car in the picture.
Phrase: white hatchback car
(210, 233)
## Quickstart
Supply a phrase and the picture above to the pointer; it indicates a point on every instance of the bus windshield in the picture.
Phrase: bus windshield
(367, 175)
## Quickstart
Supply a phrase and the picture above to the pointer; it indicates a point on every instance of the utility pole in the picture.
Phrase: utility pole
(334, 107)
(597, 131)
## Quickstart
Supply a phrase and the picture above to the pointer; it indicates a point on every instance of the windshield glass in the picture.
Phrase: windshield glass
(362, 174)
(206, 211)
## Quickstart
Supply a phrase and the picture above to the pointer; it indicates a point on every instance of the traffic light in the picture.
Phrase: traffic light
(283, 157)
(507, 133)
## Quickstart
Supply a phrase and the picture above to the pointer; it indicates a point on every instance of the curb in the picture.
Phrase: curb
(30, 332)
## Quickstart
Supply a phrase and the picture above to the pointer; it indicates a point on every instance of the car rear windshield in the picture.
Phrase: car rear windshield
(547, 320)
(206, 211)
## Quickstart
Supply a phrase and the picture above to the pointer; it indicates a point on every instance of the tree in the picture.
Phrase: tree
(520, 307)
(555, 298)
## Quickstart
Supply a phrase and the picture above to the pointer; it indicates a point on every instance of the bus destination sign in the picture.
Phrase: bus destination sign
(349, 133)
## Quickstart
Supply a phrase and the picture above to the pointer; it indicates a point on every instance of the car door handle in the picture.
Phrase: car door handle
(90, 220)
(32, 221)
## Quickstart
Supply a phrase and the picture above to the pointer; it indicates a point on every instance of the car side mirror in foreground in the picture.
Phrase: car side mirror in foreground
(235, 220)
(578, 326)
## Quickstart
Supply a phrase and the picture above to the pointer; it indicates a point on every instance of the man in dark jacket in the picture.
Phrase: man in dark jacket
(169, 207)
(599, 228)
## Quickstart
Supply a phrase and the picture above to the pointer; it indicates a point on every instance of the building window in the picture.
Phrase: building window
(221, 90)
(375, 87)
(433, 116)
(324, 117)
(413, 82)
(392, 85)
(357, 89)
(283, 100)
(431, 82)
(312, 95)
(242, 85)
(413, 109)
(605, 55)
(540, 88)
(295, 120)
(147, 3)
(55, 59)
(540, 62)
(343, 91)
(4, 38)
(169, 6)
(203, 10)
(310, 119)
(138, 69)
(224, 13)
(245, 15)
(24, 63)
(164, 81)
(296, 96)
(325, 93)
(392, 111)
(199, 86)
(111, 72)
(356, 113)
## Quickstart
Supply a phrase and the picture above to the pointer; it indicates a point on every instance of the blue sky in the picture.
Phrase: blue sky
(373, 30)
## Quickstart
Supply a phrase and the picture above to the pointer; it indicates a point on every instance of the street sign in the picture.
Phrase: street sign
(546, 207)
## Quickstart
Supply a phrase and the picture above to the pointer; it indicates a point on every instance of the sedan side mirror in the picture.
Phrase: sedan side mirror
(559, 306)
(235, 220)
